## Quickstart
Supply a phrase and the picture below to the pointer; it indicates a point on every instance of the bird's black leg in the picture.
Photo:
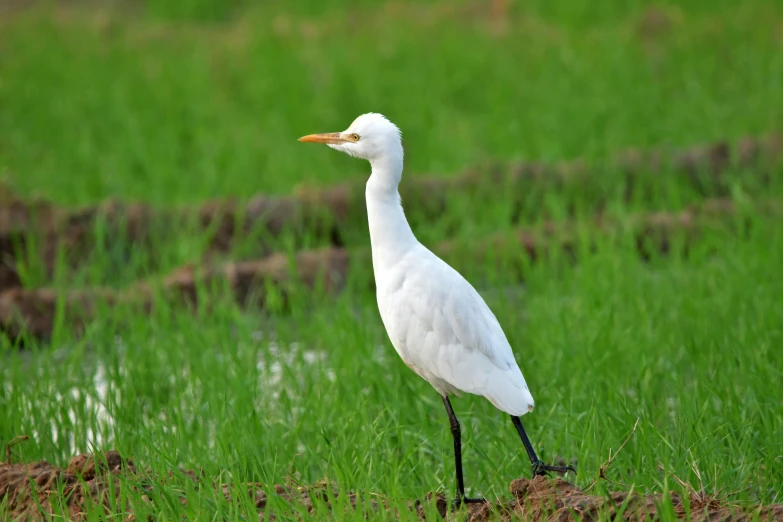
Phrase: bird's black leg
(539, 468)
(455, 432)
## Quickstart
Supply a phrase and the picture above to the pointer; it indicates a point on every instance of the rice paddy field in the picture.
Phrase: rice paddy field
(186, 286)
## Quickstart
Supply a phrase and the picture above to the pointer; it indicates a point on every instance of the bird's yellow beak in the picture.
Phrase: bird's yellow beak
(329, 138)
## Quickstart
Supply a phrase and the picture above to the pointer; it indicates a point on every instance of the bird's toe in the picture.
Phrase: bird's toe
(540, 469)
(459, 501)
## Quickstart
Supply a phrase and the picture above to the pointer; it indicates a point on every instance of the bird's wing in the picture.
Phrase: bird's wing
(443, 329)
(455, 311)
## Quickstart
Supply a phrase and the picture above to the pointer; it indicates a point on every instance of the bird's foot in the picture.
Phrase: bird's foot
(540, 469)
(459, 501)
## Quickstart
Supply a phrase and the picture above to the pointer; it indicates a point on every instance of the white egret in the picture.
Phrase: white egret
(439, 325)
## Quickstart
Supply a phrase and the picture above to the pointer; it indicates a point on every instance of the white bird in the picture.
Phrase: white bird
(439, 325)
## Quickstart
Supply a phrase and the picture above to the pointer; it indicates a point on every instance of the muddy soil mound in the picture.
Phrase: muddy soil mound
(24, 487)
(33, 491)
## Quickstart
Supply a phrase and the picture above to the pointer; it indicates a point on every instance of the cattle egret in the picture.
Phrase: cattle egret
(439, 325)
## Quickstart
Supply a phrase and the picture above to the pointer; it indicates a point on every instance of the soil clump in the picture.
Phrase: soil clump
(34, 490)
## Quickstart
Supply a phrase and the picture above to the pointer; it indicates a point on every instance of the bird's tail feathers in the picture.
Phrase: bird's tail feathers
(507, 396)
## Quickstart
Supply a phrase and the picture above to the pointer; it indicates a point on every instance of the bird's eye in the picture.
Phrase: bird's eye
(355, 137)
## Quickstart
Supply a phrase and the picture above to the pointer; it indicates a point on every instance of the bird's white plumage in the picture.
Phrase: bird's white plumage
(443, 330)
(437, 322)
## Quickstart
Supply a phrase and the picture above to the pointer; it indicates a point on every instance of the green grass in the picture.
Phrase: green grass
(96, 104)
(688, 347)
(182, 102)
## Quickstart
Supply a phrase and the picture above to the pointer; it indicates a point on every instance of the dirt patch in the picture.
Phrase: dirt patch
(33, 491)
(26, 486)
(39, 229)
(556, 499)
(257, 282)
(32, 312)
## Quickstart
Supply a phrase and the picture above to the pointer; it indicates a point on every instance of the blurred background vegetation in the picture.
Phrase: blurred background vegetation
(181, 100)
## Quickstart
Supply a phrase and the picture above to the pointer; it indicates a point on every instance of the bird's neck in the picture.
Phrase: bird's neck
(390, 234)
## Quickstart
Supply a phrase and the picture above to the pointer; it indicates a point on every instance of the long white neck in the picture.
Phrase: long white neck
(390, 235)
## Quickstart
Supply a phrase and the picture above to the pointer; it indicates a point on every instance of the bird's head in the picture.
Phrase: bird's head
(371, 136)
